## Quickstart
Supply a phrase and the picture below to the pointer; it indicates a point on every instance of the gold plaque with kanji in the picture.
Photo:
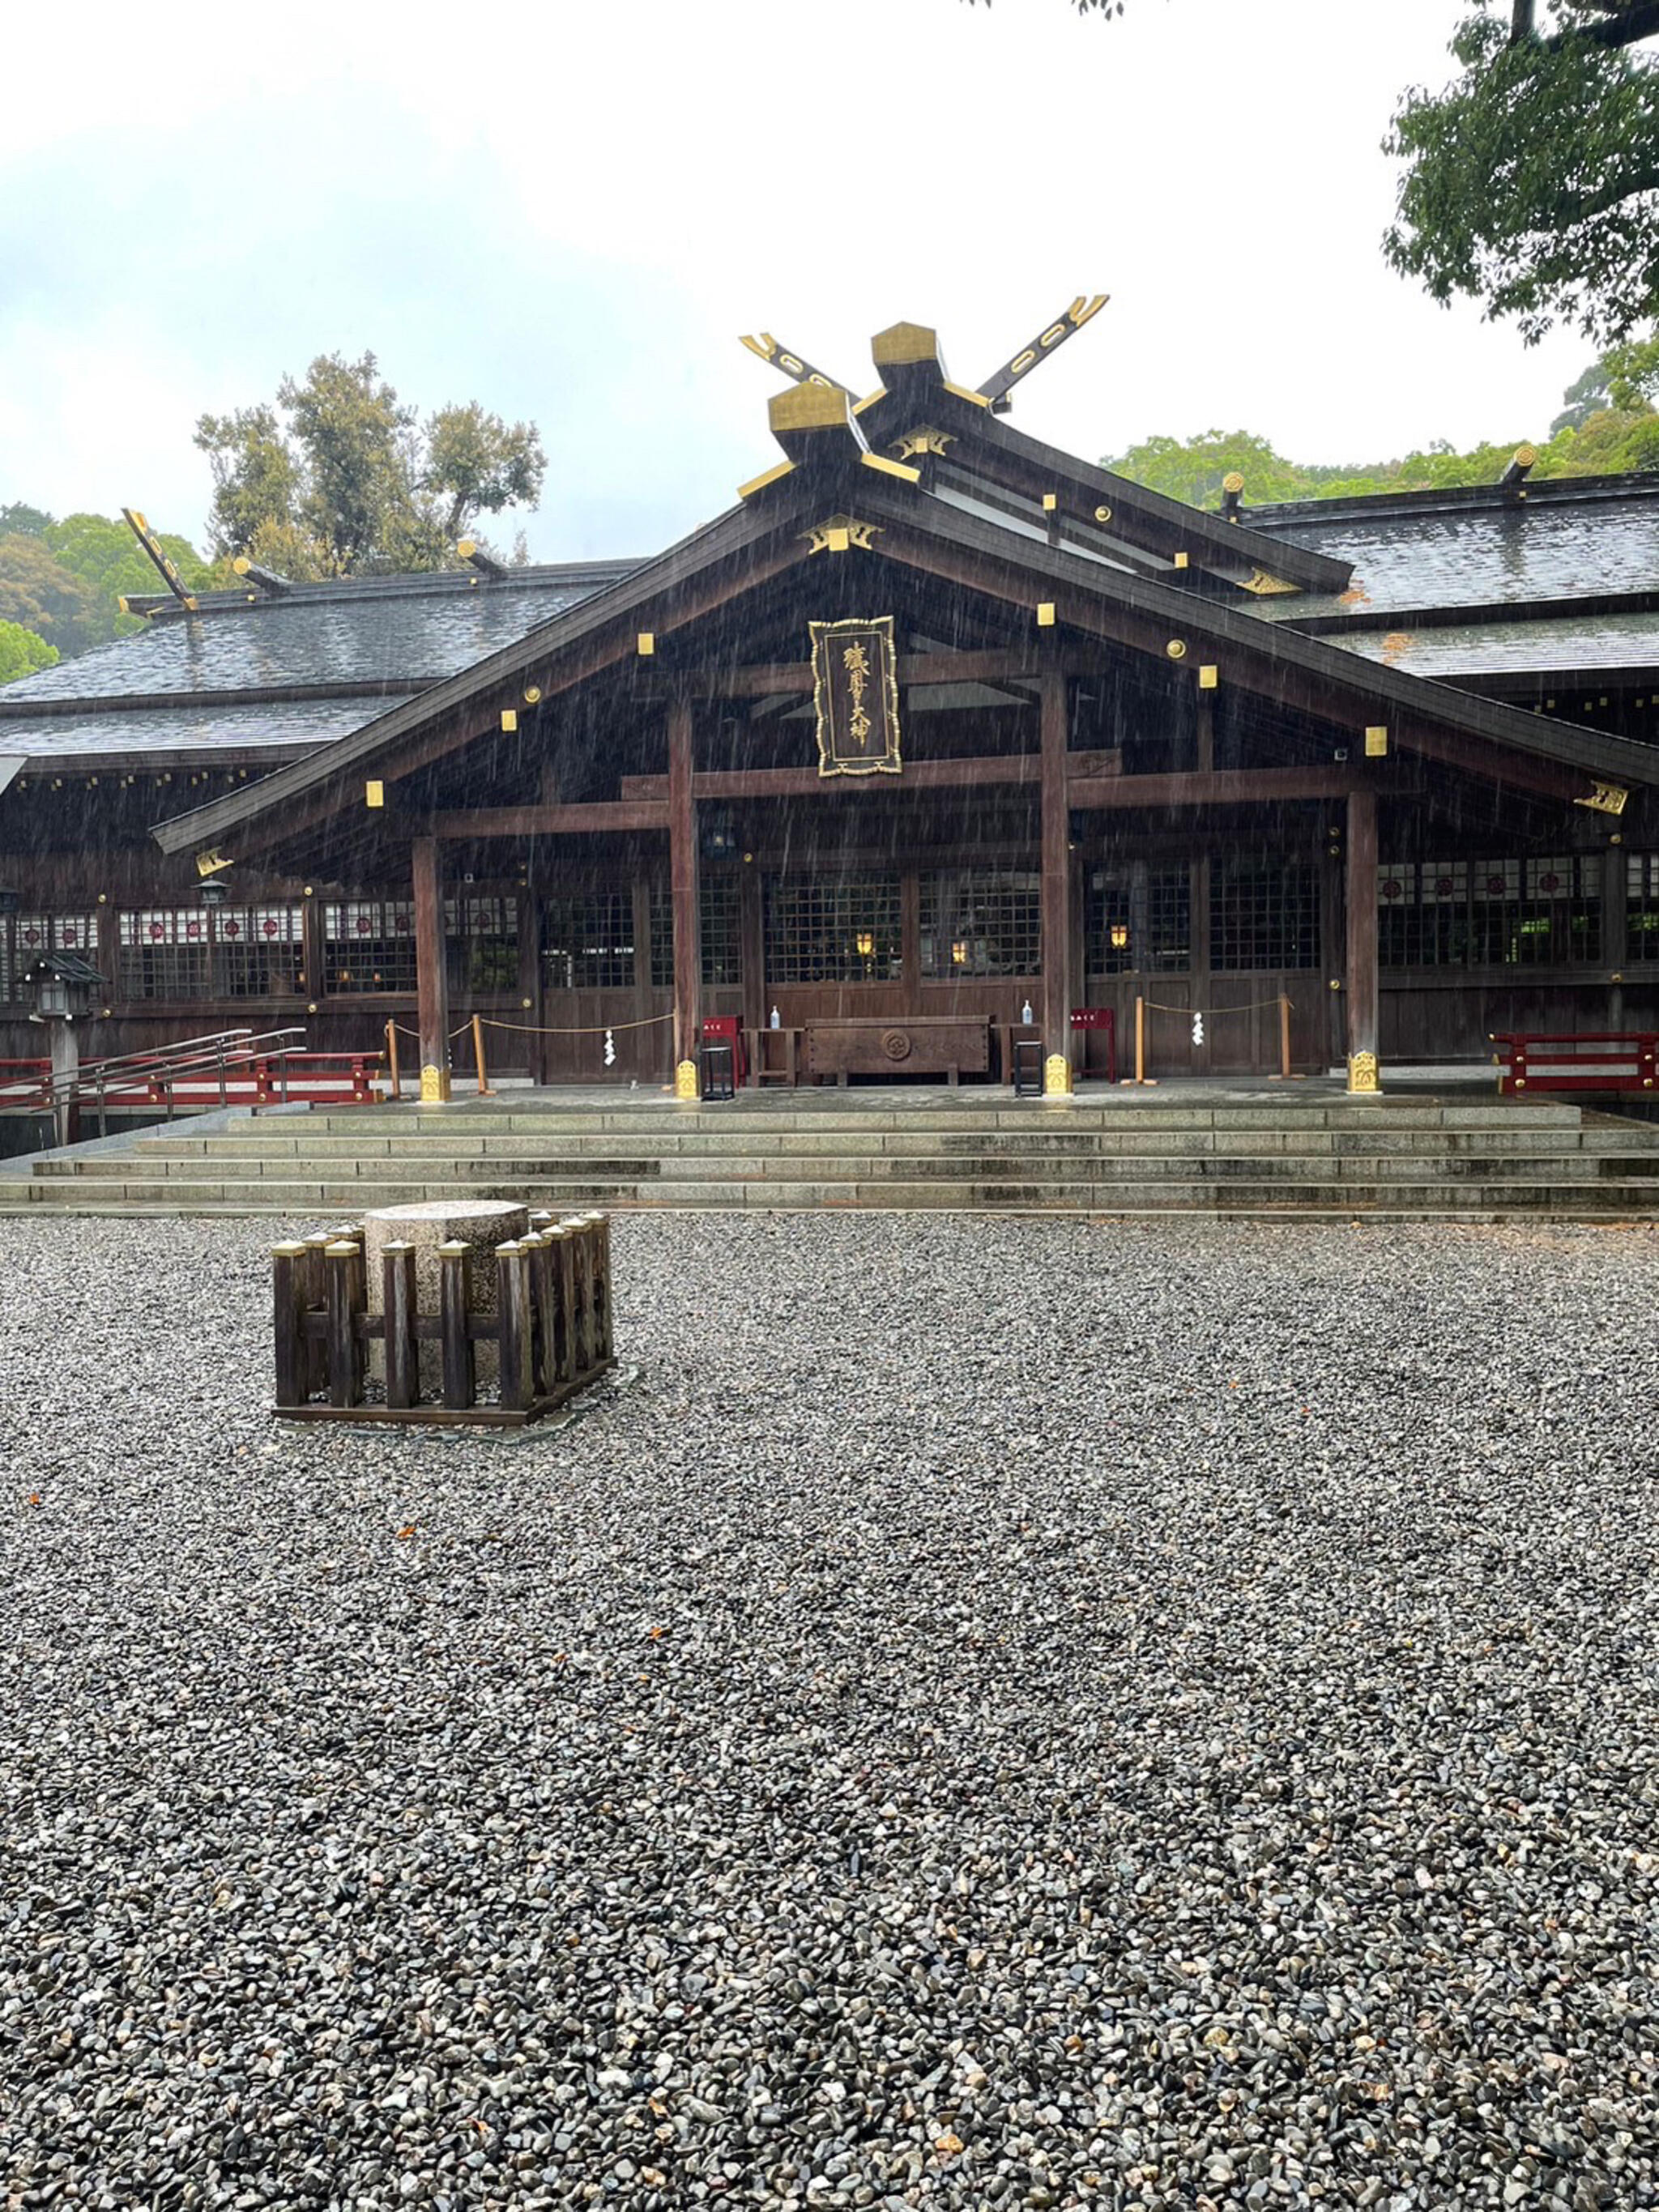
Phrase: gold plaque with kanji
(855, 691)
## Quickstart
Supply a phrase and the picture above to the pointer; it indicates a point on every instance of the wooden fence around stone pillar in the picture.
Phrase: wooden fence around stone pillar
(553, 1334)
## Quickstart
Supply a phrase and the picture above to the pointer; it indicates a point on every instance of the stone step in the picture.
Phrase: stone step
(752, 1143)
(378, 1171)
(1604, 1197)
(1032, 1118)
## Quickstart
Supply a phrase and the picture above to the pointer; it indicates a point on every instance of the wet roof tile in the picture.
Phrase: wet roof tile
(1554, 546)
(294, 723)
(322, 634)
(1510, 648)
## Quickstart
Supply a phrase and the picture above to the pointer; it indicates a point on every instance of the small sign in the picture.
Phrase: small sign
(855, 692)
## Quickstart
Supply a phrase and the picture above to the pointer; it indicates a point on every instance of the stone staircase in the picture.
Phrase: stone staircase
(1313, 1154)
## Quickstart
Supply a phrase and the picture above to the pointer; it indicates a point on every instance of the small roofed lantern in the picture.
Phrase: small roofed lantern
(64, 988)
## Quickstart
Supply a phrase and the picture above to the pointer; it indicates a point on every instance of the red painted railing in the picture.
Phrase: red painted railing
(1610, 1060)
(23, 1081)
(234, 1069)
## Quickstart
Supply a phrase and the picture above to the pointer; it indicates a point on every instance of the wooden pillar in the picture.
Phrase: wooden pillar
(1361, 977)
(1330, 1030)
(431, 977)
(1056, 891)
(751, 939)
(683, 869)
(313, 942)
(1615, 930)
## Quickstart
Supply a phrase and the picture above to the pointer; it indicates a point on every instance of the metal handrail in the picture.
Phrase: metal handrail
(168, 1066)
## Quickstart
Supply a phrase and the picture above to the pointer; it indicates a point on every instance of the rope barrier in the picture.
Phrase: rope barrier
(601, 1029)
(1156, 1007)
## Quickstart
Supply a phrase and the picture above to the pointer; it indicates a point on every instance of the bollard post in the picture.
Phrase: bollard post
(544, 1300)
(513, 1263)
(1140, 1039)
(1284, 1036)
(563, 1253)
(288, 1285)
(314, 1291)
(604, 1327)
(346, 1302)
(581, 1245)
(395, 1079)
(484, 1091)
(402, 1367)
(455, 1287)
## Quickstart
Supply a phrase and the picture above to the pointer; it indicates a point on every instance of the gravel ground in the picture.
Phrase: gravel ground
(995, 1714)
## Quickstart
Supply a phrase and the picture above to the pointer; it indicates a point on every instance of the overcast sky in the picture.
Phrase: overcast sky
(570, 212)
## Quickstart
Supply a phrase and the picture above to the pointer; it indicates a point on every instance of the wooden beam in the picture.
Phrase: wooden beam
(1230, 786)
(683, 877)
(769, 680)
(591, 817)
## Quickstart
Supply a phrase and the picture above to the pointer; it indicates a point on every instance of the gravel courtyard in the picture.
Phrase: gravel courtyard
(991, 1714)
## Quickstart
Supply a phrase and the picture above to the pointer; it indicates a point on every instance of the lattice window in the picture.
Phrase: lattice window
(258, 953)
(368, 945)
(821, 931)
(722, 929)
(1489, 914)
(23, 937)
(1263, 915)
(719, 900)
(481, 938)
(1642, 904)
(981, 921)
(164, 952)
(588, 942)
(1137, 921)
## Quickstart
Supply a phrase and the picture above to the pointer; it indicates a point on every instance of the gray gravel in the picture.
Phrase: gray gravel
(996, 1714)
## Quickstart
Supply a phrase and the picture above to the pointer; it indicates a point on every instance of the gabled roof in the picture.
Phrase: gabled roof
(745, 549)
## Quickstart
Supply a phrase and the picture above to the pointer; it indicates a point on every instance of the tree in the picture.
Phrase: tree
(38, 591)
(22, 651)
(338, 477)
(1609, 426)
(1193, 470)
(1532, 181)
(20, 521)
(107, 557)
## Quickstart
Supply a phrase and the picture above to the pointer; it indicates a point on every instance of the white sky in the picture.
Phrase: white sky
(570, 210)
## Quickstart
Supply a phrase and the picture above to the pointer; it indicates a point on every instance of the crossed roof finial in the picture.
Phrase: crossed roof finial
(996, 388)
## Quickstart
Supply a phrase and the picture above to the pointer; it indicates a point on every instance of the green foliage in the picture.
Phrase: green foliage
(1532, 180)
(1192, 471)
(340, 478)
(38, 591)
(1608, 427)
(23, 652)
(107, 557)
(20, 521)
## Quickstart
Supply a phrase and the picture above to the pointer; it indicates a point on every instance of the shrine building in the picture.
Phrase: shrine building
(934, 725)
